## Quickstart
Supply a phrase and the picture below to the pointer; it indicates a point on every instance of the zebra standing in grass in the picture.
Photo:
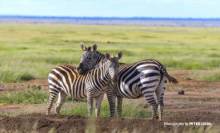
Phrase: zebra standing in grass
(65, 80)
(145, 78)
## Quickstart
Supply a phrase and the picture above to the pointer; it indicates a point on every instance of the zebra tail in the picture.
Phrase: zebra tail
(164, 72)
(172, 79)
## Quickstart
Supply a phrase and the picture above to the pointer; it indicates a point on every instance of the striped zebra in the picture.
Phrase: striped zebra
(65, 80)
(145, 78)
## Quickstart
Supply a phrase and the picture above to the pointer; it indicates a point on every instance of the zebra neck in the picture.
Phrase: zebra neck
(100, 74)
(100, 59)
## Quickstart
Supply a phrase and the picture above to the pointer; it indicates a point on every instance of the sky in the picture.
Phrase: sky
(113, 8)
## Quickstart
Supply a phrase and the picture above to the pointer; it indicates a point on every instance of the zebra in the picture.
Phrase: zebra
(145, 78)
(65, 80)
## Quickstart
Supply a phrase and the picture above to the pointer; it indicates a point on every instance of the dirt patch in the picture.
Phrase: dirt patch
(76, 124)
(193, 116)
(42, 123)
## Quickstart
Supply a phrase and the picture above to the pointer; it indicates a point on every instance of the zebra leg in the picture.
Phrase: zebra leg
(154, 104)
(111, 101)
(158, 91)
(52, 96)
(161, 103)
(161, 106)
(89, 104)
(60, 101)
(151, 98)
(119, 106)
(160, 97)
(98, 104)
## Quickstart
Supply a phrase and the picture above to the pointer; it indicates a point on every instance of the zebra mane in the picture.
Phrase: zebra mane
(101, 64)
(100, 60)
(101, 57)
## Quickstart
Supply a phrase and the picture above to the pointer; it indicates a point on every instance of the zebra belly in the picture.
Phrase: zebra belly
(95, 93)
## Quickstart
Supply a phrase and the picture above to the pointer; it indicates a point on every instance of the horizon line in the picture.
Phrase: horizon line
(116, 17)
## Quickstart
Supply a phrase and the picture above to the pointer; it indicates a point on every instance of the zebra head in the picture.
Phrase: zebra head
(113, 65)
(90, 58)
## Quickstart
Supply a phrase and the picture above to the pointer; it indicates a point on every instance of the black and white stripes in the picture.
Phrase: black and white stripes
(65, 80)
(145, 78)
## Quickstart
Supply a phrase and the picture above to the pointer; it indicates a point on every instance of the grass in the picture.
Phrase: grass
(10, 76)
(134, 111)
(29, 51)
(213, 77)
(32, 96)
(36, 95)
(206, 75)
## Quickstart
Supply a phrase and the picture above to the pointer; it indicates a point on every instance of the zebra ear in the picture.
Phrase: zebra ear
(94, 47)
(107, 56)
(119, 55)
(89, 49)
(83, 47)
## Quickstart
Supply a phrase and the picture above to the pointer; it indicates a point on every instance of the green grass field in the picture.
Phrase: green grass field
(29, 51)
(36, 95)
